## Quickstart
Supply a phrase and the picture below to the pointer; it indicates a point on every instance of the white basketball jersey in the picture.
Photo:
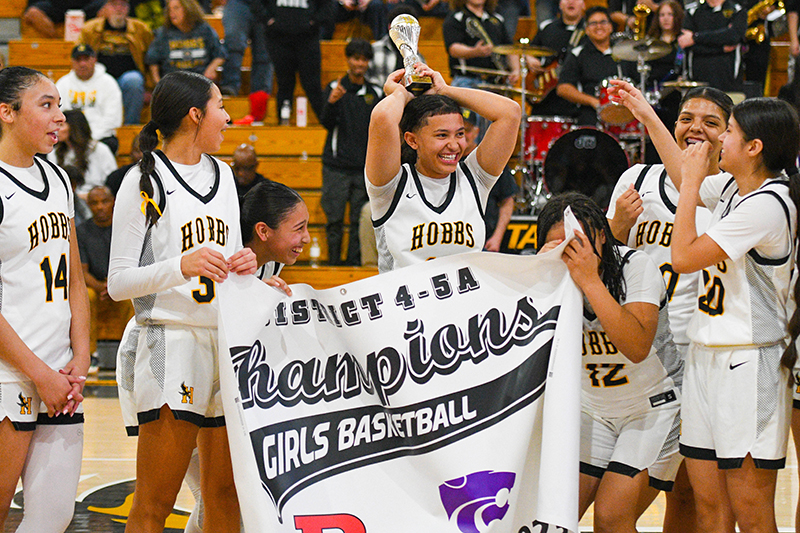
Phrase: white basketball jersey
(36, 206)
(268, 269)
(612, 385)
(414, 230)
(201, 210)
(652, 233)
(744, 301)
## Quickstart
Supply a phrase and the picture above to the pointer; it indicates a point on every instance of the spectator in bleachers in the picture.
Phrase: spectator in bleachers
(76, 147)
(114, 180)
(43, 15)
(293, 33)
(386, 57)
(121, 43)
(370, 12)
(90, 88)
(107, 317)
(243, 20)
(185, 42)
(470, 32)
(245, 169)
(349, 103)
(713, 31)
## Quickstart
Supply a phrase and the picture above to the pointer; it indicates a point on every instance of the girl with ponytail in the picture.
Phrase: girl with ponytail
(175, 236)
(737, 389)
(44, 311)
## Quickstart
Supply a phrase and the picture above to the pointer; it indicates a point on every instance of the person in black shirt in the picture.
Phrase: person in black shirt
(713, 31)
(560, 34)
(346, 114)
(293, 33)
(588, 65)
(470, 32)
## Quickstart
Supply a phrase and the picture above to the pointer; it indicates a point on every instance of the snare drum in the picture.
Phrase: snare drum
(586, 160)
(610, 112)
(542, 132)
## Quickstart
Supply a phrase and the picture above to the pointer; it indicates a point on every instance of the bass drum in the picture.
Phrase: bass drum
(585, 160)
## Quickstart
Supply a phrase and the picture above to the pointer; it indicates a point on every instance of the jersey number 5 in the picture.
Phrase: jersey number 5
(57, 280)
(204, 294)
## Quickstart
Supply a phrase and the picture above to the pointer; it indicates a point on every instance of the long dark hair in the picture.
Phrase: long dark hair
(13, 82)
(594, 223)
(416, 114)
(79, 140)
(775, 123)
(176, 94)
(269, 202)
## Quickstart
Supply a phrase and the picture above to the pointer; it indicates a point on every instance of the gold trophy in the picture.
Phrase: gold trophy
(404, 32)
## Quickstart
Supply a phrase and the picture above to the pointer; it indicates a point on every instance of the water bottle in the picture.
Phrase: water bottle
(301, 108)
(286, 112)
(314, 252)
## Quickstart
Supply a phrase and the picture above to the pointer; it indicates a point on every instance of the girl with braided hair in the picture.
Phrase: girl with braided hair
(176, 234)
(630, 402)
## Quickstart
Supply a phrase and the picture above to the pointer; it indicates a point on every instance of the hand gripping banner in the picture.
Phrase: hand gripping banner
(442, 397)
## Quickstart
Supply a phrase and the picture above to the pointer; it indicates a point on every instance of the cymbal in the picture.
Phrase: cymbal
(480, 70)
(520, 48)
(495, 88)
(646, 49)
(684, 84)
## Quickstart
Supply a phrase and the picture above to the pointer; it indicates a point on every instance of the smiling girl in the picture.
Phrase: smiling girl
(44, 310)
(430, 203)
(175, 236)
(642, 215)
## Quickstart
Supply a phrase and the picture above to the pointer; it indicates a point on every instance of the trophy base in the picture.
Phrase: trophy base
(419, 84)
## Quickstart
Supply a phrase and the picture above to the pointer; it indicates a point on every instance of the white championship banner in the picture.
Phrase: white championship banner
(443, 397)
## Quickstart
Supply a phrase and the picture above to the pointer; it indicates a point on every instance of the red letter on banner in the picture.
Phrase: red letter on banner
(346, 523)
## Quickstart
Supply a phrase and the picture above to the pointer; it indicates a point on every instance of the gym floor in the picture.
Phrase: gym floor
(105, 491)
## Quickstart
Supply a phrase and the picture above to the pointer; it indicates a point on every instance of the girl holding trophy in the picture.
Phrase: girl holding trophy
(426, 202)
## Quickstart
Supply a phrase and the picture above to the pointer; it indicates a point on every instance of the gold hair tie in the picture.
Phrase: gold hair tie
(147, 200)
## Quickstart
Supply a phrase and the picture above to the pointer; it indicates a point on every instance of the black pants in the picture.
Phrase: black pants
(297, 54)
(340, 186)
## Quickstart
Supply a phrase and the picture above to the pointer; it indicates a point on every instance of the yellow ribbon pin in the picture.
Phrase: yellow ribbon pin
(147, 200)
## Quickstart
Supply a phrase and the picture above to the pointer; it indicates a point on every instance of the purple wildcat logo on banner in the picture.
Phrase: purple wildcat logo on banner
(455, 382)
(477, 499)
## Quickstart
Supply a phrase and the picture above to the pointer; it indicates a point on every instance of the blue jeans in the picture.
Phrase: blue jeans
(240, 23)
(131, 84)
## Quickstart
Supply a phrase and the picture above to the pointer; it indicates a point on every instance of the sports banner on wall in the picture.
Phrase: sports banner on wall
(442, 397)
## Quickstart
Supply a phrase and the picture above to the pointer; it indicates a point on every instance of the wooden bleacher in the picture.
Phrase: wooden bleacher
(12, 9)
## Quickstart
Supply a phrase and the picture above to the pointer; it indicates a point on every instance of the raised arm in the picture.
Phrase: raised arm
(383, 145)
(662, 138)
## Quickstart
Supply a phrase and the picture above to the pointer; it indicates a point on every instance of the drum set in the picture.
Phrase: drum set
(557, 155)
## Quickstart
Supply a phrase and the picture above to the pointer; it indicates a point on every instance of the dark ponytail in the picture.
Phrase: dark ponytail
(174, 96)
(148, 141)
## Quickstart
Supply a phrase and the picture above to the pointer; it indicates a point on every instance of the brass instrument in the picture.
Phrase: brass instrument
(756, 30)
(641, 13)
